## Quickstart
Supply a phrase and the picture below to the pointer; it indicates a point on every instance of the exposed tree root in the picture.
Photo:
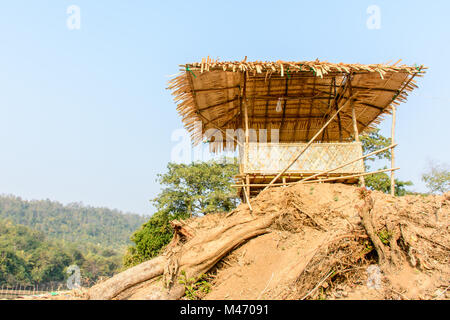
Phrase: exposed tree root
(127, 279)
(342, 241)
(196, 256)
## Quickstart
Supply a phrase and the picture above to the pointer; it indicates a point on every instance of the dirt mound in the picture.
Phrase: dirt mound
(311, 241)
(319, 248)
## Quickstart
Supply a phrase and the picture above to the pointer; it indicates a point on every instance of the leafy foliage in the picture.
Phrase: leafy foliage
(151, 238)
(189, 190)
(195, 288)
(437, 178)
(197, 188)
(384, 236)
(373, 141)
(382, 182)
(28, 258)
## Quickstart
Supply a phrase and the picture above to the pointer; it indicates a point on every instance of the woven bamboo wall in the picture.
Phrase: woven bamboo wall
(271, 158)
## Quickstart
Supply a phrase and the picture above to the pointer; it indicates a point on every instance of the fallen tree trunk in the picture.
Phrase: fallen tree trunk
(127, 279)
(194, 257)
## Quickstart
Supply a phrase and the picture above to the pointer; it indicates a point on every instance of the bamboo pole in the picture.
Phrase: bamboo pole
(246, 123)
(349, 162)
(247, 196)
(220, 129)
(355, 130)
(320, 180)
(392, 152)
(247, 181)
(354, 175)
(247, 136)
(309, 143)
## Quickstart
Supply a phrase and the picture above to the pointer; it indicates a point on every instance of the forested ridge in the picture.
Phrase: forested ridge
(40, 239)
(73, 222)
(29, 258)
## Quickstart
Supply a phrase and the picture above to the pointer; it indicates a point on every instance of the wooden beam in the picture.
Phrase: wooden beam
(225, 124)
(336, 103)
(310, 111)
(218, 104)
(337, 97)
(332, 84)
(355, 128)
(316, 181)
(215, 89)
(367, 88)
(253, 102)
(284, 105)
(308, 144)
(392, 152)
(313, 116)
(299, 107)
(287, 97)
(243, 106)
(220, 129)
(247, 197)
(372, 106)
(247, 135)
(376, 89)
(353, 175)
(267, 103)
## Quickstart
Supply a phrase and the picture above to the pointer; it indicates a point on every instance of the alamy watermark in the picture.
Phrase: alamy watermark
(373, 22)
(74, 280)
(374, 277)
(73, 21)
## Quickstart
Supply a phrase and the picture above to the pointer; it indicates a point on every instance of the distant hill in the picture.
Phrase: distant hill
(73, 222)
(28, 258)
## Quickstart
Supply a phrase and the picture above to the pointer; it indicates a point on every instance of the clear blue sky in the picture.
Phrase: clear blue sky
(84, 114)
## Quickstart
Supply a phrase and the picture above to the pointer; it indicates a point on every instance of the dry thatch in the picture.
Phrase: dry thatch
(294, 97)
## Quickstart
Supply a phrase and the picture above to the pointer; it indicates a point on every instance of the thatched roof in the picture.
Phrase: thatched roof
(294, 97)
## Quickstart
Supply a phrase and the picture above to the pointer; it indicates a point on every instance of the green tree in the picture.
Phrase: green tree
(373, 141)
(189, 190)
(437, 178)
(28, 258)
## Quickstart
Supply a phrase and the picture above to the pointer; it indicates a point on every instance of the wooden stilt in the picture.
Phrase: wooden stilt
(247, 196)
(247, 181)
(392, 152)
(247, 135)
(356, 132)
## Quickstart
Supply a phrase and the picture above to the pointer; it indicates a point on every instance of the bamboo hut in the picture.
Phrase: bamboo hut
(290, 121)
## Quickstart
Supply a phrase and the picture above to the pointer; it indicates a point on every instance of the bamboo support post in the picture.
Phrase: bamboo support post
(246, 123)
(247, 197)
(322, 180)
(247, 181)
(392, 152)
(309, 143)
(356, 132)
(354, 175)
